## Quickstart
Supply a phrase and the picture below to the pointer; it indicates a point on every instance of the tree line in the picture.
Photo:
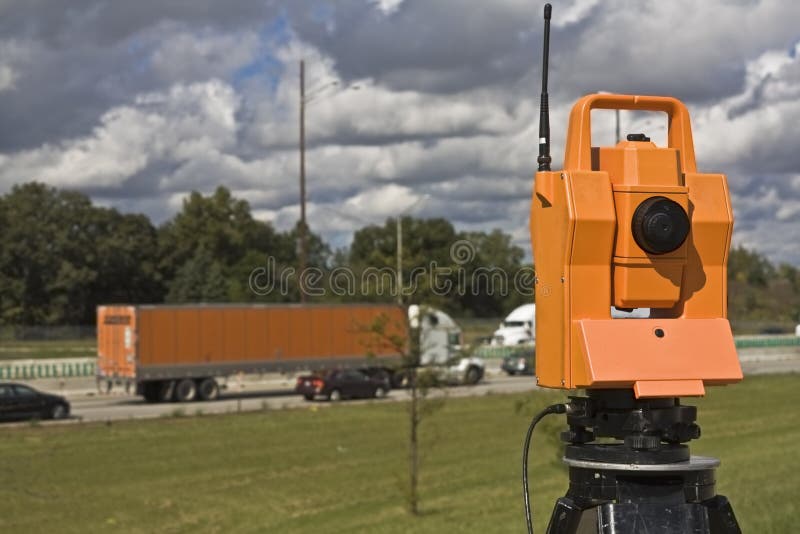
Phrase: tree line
(61, 256)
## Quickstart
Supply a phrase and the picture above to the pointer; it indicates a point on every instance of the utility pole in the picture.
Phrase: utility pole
(423, 198)
(400, 258)
(303, 232)
(302, 229)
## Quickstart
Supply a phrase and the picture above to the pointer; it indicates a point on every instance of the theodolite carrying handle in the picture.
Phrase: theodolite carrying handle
(579, 143)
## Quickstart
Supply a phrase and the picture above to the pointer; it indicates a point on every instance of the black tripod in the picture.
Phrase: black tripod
(646, 480)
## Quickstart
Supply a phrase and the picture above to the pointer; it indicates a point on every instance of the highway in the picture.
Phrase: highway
(268, 393)
(274, 391)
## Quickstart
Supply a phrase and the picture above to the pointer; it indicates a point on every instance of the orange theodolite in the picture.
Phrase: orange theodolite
(631, 226)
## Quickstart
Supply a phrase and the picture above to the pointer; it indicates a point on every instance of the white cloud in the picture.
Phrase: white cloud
(7, 78)
(13, 54)
(387, 7)
(447, 106)
(188, 55)
(749, 135)
(384, 201)
(573, 13)
(183, 123)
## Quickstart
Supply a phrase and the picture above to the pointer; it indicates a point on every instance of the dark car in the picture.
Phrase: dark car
(519, 362)
(341, 384)
(379, 374)
(19, 402)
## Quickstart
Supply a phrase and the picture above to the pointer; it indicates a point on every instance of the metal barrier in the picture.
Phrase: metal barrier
(742, 342)
(491, 352)
(763, 342)
(51, 368)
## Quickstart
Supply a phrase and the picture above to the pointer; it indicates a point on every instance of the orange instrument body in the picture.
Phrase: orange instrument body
(589, 257)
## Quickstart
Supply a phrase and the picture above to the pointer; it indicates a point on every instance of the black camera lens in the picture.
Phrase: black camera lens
(660, 225)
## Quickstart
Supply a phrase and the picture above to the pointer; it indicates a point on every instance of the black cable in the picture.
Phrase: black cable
(554, 408)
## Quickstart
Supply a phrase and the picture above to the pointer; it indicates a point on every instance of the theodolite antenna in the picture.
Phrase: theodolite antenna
(544, 108)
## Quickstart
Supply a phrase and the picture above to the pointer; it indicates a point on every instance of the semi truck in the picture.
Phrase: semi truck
(179, 352)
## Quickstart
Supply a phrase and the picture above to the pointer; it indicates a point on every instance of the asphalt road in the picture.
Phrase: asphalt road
(274, 391)
(259, 395)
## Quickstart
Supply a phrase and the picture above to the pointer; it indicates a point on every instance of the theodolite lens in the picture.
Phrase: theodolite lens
(660, 225)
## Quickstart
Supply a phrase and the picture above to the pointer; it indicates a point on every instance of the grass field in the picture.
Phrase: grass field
(341, 468)
(23, 350)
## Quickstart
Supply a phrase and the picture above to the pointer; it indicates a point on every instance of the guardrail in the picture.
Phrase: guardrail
(489, 351)
(763, 342)
(52, 368)
(741, 342)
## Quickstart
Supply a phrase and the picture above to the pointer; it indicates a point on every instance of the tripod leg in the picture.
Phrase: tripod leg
(720, 516)
(569, 518)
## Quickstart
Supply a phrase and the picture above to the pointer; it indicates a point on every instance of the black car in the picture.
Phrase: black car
(341, 384)
(19, 402)
(519, 362)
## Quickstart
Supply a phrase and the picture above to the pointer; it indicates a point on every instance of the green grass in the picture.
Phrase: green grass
(23, 350)
(341, 469)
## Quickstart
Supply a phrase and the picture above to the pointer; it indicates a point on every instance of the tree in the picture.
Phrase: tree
(491, 274)
(219, 232)
(37, 262)
(462, 272)
(126, 254)
(426, 245)
(220, 224)
(201, 279)
(761, 297)
(60, 256)
(410, 343)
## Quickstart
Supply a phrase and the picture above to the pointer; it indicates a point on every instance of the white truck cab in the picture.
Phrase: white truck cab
(440, 343)
(519, 328)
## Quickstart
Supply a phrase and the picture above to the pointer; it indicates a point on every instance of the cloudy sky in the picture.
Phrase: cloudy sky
(434, 109)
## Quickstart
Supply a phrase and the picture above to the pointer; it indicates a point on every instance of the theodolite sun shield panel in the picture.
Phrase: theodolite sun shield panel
(632, 226)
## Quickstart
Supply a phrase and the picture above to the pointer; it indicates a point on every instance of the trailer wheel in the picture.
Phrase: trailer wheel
(208, 389)
(185, 390)
(150, 391)
(104, 386)
(166, 390)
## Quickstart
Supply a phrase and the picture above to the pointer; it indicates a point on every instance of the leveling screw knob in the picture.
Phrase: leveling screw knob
(660, 225)
(642, 442)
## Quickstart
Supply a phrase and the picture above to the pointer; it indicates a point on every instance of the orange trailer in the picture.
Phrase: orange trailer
(177, 352)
